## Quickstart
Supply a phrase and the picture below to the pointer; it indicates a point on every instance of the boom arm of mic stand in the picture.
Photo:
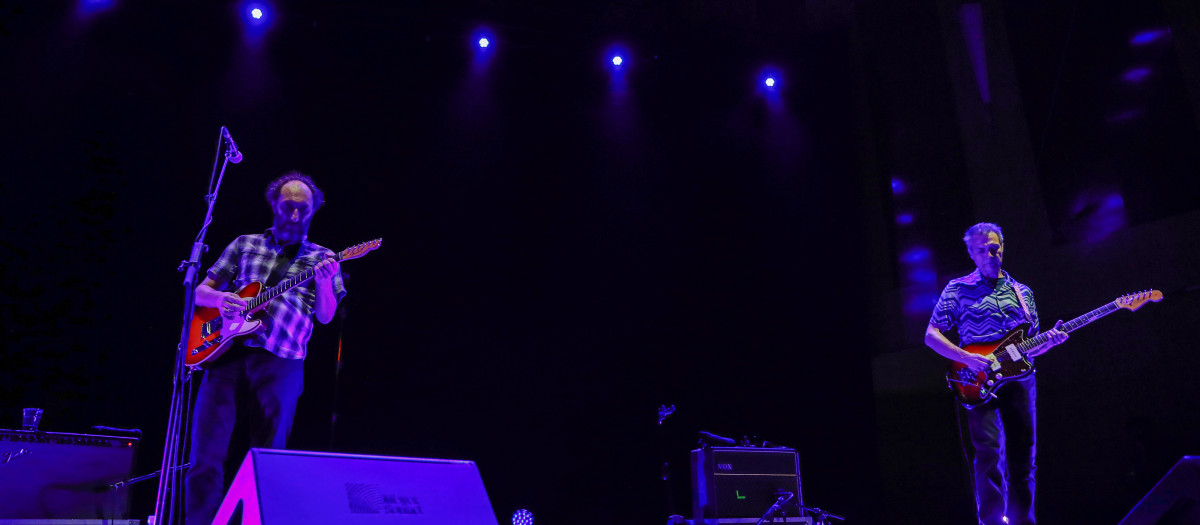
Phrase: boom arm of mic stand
(821, 515)
(786, 497)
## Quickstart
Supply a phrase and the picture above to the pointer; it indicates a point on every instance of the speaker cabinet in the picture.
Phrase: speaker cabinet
(50, 475)
(278, 487)
(1175, 500)
(739, 484)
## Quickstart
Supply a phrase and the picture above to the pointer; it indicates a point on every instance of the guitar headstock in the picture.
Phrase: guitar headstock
(359, 250)
(1134, 301)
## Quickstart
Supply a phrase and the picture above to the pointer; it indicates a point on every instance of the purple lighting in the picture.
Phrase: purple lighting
(898, 186)
(1148, 37)
(923, 276)
(1125, 116)
(769, 80)
(617, 60)
(94, 5)
(87, 8)
(915, 255)
(481, 45)
(904, 219)
(1136, 75)
(256, 14)
(919, 303)
(522, 517)
(970, 16)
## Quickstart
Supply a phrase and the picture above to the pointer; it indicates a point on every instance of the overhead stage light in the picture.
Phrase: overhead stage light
(483, 42)
(617, 60)
(256, 14)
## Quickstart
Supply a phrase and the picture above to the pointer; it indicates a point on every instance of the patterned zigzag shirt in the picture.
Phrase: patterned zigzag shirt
(288, 323)
(983, 312)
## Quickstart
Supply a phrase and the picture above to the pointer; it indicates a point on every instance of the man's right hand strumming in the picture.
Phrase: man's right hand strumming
(975, 362)
(227, 302)
(232, 303)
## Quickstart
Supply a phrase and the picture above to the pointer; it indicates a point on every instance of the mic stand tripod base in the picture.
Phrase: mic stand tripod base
(676, 519)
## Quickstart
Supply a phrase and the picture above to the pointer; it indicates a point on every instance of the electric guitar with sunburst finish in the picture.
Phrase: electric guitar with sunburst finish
(1009, 355)
(212, 332)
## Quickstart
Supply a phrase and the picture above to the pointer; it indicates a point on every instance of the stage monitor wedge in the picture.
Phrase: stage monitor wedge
(1175, 500)
(278, 487)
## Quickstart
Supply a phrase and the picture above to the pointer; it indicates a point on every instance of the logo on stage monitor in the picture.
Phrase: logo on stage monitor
(369, 498)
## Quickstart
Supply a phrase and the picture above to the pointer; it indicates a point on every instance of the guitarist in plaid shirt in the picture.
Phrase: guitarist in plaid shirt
(984, 306)
(262, 375)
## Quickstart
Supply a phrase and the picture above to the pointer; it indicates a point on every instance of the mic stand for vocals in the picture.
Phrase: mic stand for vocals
(167, 505)
(783, 497)
(663, 412)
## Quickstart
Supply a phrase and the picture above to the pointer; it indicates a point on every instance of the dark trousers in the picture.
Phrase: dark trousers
(265, 389)
(1004, 438)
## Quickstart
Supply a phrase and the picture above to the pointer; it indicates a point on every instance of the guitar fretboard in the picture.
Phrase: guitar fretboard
(1069, 326)
(275, 291)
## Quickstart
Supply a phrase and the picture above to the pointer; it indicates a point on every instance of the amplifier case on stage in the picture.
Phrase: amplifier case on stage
(50, 475)
(739, 484)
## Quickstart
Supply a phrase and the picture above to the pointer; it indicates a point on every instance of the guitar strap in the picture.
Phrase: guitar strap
(282, 263)
(1018, 287)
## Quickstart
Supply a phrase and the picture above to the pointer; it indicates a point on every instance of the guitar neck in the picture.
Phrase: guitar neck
(265, 296)
(1070, 326)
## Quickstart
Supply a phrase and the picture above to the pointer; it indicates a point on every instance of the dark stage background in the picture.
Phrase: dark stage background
(566, 248)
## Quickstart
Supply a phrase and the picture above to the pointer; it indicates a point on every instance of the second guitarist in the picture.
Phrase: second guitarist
(984, 306)
(262, 375)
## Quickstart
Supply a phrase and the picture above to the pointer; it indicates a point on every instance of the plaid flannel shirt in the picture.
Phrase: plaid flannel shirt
(288, 322)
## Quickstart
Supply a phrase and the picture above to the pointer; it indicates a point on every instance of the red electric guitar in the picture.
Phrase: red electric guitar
(1008, 355)
(212, 332)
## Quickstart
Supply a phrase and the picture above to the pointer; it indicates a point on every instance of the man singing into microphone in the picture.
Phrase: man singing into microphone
(262, 374)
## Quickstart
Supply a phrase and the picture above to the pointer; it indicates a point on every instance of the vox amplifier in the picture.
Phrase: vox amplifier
(739, 484)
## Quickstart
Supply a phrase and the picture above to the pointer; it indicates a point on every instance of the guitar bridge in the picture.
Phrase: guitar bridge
(208, 344)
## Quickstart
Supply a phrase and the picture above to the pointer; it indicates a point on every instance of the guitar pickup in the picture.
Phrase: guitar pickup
(1012, 352)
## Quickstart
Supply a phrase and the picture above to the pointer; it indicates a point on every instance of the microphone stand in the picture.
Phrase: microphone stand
(166, 510)
(821, 515)
(131, 481)
(663, 412)
(770, 513)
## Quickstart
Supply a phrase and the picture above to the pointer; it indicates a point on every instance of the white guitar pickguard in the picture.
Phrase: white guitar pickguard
(238, 325)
